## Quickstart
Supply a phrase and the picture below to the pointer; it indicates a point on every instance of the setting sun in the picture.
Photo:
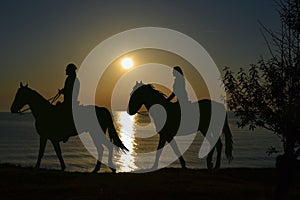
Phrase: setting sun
(127, 63)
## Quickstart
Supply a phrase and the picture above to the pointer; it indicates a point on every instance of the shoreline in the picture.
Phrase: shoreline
(230, 183)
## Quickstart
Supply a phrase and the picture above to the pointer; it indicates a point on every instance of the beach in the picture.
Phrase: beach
(168, 183)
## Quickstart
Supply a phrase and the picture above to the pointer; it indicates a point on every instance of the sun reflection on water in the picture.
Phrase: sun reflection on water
(125, 123)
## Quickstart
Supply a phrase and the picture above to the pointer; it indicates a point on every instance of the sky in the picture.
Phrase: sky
(39, 38)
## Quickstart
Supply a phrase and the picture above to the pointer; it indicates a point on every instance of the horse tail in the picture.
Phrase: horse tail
(228, 140)
(112, 132)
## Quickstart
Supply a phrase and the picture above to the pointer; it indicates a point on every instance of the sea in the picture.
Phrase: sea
(19, 144)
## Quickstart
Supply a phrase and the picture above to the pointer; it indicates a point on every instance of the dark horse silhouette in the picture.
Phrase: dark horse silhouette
(51, 123)
(146, 95)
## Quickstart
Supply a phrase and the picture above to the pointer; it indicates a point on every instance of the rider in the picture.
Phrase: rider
(70, 92)
(71, 87)
(179, 87)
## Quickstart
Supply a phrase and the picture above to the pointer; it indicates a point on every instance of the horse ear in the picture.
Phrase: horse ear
(21, 85)
(136, 82)
(26, 85)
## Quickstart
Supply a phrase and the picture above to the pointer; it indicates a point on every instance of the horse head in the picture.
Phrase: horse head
(21, 99)
(136, 98)
(144, 94)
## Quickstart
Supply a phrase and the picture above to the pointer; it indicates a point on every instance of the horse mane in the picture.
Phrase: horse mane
(156, 91)
(38, 95)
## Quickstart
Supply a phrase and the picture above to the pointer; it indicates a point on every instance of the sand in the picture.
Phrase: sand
(28, 183)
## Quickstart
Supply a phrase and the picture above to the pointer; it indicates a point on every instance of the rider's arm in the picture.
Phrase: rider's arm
(61, 91)
(65, 88)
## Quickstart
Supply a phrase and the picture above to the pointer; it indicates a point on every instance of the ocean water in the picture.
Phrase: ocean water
(19, 144)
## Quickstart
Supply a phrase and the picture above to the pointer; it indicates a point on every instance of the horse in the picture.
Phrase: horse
(145, 94)
(54, 124)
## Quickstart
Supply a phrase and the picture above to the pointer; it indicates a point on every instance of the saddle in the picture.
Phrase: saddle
(64, 118)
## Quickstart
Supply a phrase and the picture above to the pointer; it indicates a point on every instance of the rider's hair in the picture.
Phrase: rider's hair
(178, 69)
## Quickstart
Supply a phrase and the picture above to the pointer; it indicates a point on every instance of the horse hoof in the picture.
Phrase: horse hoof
(210, 167)
(36, 168)
(63, 168)
(113, 170)
(217, 167)
(153, 168)
(184, 168)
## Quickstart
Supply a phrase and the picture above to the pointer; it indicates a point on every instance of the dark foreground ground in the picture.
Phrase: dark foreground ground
(28, 183)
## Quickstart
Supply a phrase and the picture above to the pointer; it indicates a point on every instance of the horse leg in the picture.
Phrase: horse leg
(97, 167)
(177, 152)
(110, 157)
(219, 147)
(58, 153)
(100, 154)
(43, 142)
(209, 159)
(161, 144)
(98, 142)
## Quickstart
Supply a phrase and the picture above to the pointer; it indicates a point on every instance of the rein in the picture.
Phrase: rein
(52, 99)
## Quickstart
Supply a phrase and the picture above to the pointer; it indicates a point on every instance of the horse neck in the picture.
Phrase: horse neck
(38, 104)
(156, 98)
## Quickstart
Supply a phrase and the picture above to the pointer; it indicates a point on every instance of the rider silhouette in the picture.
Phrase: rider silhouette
(179, 87)
(70, 92)
(71, 87)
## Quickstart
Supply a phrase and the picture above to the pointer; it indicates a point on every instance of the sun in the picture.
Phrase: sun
(127, 63)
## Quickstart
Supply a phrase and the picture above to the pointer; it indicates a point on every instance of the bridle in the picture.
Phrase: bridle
(51, 100)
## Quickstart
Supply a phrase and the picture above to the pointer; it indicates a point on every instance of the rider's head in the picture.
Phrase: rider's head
(71, 69)
(177, 70)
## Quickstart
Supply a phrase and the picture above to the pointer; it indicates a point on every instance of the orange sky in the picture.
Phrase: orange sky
(39, 39)
(115, 71)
